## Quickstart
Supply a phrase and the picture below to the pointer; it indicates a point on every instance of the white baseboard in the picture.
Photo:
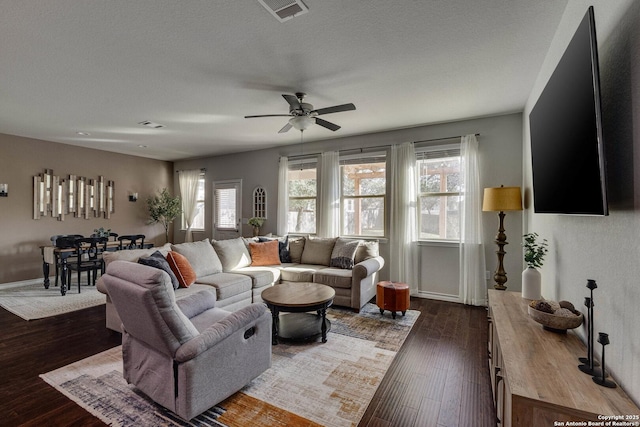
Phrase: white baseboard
(438, 296)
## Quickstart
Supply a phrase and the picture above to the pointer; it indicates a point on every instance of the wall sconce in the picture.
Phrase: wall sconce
(4, 190)
(133, 197)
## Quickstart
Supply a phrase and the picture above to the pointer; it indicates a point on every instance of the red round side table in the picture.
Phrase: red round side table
(392, 296)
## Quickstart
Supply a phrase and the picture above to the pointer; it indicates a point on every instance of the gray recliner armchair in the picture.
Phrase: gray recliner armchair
(186, 356)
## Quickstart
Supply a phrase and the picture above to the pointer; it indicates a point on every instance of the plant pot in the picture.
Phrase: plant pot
(531, 284)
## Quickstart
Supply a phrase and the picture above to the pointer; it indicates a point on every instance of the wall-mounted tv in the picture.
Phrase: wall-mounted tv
(567, 148)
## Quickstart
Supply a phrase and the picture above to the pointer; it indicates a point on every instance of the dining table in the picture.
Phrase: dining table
(54, 255)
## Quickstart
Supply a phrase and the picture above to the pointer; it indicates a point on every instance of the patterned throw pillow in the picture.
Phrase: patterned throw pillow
(283, 247)
(343, 253)
(157, 260)
(264, 253)
(182, 269)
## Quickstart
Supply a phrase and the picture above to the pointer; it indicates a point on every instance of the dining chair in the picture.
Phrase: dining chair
(89, 258)
(64, 241)
(131, 241)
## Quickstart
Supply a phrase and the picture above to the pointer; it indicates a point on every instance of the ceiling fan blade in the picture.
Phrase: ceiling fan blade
(285, 128)
(293, 101)
(268, 115)
(331, 126)
(335, 109)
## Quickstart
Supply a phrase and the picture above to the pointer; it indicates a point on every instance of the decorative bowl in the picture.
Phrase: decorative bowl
(554, 322)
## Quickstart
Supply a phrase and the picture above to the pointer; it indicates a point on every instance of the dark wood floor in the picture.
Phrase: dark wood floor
(439, 377)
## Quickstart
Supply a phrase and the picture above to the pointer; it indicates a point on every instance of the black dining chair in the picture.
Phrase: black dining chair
(64, 241)
(131, 241)
(89, 258)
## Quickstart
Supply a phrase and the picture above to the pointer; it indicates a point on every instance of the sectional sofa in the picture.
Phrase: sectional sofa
(238, 270)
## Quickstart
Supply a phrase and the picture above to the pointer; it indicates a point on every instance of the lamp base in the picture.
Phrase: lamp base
(500, 287)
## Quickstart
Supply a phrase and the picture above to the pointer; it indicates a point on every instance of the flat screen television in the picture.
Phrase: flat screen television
(567, 147)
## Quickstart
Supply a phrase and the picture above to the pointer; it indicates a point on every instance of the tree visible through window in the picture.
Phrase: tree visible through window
(302, 198)
(363, 198)
(440, 192)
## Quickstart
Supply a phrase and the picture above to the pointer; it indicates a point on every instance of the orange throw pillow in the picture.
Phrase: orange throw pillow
(182, 269)
(266, 253)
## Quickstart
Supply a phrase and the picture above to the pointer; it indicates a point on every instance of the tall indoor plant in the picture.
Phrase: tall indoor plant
(534, 253)
(164, 208)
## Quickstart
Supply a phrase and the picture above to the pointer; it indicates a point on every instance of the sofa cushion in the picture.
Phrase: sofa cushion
(182, 269)
(296, 246)
(318, 250)
(261, 276)
(233, 253)
(283, 247)
(299, 272)
(157, 260)
(343, 253)
(227, 284)
(334, 277)
(367, 249)
(264, 253)
(201, 256)
(132, 255)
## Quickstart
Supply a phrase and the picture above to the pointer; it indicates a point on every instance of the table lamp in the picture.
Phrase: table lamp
(500, 199)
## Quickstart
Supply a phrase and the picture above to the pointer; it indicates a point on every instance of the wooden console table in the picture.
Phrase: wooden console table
(534, 372)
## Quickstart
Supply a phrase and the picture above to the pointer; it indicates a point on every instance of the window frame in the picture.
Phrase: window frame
(235, 184)
(355, 159)
(305, 163)
(446, 151)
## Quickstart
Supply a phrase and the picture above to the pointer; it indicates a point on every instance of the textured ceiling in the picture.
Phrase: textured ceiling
(199, 66)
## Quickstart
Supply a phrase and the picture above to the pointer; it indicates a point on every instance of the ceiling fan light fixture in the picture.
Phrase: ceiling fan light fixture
(302, 123)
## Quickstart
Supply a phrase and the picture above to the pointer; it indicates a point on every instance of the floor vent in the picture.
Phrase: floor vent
(283, 10)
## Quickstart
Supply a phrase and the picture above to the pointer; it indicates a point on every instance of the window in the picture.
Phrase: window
(302, 180)
(198, 221)
(439, 195)
(226, 202)
(363, 195)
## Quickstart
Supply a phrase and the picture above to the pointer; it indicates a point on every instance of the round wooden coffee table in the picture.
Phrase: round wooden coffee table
(299, 299)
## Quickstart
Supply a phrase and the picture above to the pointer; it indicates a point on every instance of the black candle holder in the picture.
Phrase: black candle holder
(601, 378)
(588, 362)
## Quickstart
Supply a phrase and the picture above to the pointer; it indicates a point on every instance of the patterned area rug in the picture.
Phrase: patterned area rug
(310, 384)
(35, 302)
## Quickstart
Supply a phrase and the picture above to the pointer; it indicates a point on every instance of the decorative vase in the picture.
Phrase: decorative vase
(531, 284)
(256, 231)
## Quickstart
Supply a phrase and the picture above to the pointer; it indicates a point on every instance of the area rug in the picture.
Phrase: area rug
(312, 384)
(33, 301)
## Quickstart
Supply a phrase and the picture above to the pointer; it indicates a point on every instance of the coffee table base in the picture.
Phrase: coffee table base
(302, 327)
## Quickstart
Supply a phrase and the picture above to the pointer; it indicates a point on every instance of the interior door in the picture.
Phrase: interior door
(227, 209)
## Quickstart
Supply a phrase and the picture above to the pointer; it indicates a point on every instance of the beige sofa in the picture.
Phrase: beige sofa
(226, 266)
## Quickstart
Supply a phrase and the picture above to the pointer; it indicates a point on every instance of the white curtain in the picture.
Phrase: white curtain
(329, 195)
(404, 216)
(282, 227)
(188, 181)
(473, 286)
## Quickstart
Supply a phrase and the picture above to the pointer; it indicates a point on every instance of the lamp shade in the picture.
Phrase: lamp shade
(502, 199)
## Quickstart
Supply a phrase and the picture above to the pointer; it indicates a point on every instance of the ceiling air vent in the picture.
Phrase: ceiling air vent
(151, 124)
(284, 10)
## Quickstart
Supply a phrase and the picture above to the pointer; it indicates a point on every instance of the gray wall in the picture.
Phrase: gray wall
(22, 158)
(602, 248)
(501, 163)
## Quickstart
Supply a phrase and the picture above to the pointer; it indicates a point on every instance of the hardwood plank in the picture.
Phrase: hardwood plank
(421, 384)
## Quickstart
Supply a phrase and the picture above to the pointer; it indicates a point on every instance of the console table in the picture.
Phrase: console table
(534, 372)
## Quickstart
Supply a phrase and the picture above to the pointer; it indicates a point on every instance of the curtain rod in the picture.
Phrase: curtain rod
(302, 156)
(201, 170)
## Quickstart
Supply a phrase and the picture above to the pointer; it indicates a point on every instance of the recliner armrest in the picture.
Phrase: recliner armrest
(367, 267)
(197, 303)
(217, 332)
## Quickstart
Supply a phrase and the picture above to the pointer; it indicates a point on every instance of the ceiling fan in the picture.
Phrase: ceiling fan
(303, 115)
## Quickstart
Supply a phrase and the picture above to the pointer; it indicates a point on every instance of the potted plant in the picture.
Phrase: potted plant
(256, 223)
(101, 232)
(534, 253)
(164, 208)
